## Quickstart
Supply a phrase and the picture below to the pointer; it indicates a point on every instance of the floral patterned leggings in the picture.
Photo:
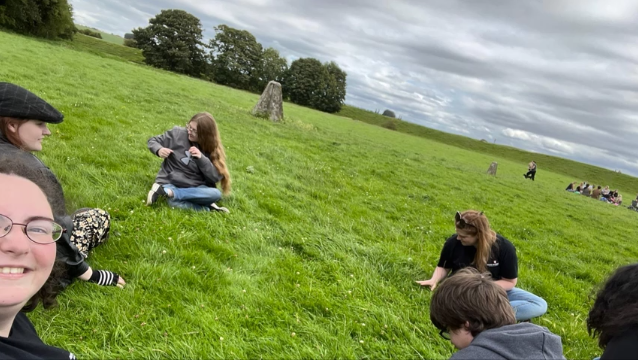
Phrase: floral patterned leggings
(91, 228)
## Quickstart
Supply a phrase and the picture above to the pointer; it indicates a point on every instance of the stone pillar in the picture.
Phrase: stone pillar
(270, 103)
(492, 169)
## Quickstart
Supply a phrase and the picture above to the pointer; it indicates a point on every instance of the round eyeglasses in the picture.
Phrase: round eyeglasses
(41, 231)
(445, 334)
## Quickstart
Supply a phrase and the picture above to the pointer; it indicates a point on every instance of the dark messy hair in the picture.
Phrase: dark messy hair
(53, 285)
(615, 309)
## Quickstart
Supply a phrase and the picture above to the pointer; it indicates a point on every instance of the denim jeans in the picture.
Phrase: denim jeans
(197, 198)
(525, 304)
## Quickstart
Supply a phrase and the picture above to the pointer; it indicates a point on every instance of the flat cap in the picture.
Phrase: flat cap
(18, 102)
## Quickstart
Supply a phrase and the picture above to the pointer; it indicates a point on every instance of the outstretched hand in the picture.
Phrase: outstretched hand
(430, 283)
(120, 282)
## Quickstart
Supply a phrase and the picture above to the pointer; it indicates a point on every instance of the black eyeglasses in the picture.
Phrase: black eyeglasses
(41, 231)
(462, 223)
(445, 334)
(190, 129)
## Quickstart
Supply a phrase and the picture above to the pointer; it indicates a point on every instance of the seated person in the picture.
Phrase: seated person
(619, 200)
(194, 162)
(613, 318)
(476, 245)
(31, 274)
(473, 312)
(605, 192)
(596, 193)
(570, 187)
(586, 191)
(23, 124)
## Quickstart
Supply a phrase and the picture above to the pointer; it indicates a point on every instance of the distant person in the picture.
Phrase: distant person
(605, 192)
(596, 193)
(571, 187)
(476, 245)
(23, 124)
(531, 170)
(587, 191)
(194, 162)
(28, 234)
(613, 318)
(473, 312)
(619, 200)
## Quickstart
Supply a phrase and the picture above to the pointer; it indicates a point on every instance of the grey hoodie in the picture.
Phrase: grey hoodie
(522, 341)
(180, 169)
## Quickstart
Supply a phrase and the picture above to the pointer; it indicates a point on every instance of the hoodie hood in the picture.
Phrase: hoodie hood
(522, 341)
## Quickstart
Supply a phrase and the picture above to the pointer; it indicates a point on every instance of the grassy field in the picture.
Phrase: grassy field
(325, 239)
(102, 48)
(111, 38)
(574, 170)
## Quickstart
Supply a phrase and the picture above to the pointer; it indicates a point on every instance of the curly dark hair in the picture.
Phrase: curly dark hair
(53, 285)
(615, 309)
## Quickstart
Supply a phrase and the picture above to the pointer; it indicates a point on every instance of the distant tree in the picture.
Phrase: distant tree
(173, 41)
(305, 81)
(129, 36)
(236, 58)
(335, 91)
(131, 43)
(43, 18)
(272, 67)
(310, 83)
(389, 113)
(90, 32)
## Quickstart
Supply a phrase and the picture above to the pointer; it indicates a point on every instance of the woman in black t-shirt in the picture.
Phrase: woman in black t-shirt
(27, 257)
(476, 245)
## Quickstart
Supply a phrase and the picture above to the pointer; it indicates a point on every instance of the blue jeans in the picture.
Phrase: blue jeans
(197, 198)
(525, 304)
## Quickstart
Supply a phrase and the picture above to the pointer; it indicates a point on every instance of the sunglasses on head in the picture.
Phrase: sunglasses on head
(462, 223)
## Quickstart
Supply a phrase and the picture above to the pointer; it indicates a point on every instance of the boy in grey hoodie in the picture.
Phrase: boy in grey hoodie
(473, 312)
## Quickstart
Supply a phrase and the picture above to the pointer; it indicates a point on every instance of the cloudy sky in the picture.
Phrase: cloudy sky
(551, 76)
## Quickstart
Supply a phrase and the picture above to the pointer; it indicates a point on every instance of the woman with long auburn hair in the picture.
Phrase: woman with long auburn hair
(476, 245)
(194, 162)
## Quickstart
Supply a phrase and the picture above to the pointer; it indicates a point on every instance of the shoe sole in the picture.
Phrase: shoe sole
(216, 208)
(152, 194)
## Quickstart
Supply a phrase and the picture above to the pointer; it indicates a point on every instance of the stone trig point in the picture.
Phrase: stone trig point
(270, 103)
(492, 169)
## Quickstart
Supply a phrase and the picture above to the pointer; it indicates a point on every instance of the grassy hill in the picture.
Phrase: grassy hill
(111, 38)
(574, 170)
(102, 48)
(318, 257)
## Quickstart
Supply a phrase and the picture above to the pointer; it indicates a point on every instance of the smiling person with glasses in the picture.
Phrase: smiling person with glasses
(24, 120)
(194, 162)
(29, 274)
(474, 313)
(476, 245)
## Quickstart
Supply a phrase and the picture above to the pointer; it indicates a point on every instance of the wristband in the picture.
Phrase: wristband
(104, 278)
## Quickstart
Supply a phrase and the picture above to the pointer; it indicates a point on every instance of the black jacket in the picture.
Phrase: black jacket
(622, 347)
(66, 251)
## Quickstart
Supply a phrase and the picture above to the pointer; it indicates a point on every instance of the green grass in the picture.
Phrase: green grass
(576, 171)
(325, 238)
(111, 38)
(102, 48)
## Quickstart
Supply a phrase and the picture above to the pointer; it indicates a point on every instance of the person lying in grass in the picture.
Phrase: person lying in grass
(614, 316)
(476, 245)
(473, 312)
(23, 125)
(194, 162)
(28, 270)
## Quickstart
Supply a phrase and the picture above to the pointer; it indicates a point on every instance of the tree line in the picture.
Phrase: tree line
(173, 40)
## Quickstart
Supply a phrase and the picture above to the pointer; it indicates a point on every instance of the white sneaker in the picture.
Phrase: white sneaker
(216, 208)
(156, 191)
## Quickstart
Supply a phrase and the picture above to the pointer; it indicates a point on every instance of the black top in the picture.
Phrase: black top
(622, 347)
(24, 343)
(502, 262)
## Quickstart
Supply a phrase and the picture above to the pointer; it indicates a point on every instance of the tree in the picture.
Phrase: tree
(335, 92)
(236, 58)
(272, 67)
(43, 18)
(173, 41)
(389, 113)
(310, 83)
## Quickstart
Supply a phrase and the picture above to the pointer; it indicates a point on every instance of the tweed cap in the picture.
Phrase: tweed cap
(17, 102)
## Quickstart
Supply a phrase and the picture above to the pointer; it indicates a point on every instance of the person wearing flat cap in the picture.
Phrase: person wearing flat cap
(23, 124)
